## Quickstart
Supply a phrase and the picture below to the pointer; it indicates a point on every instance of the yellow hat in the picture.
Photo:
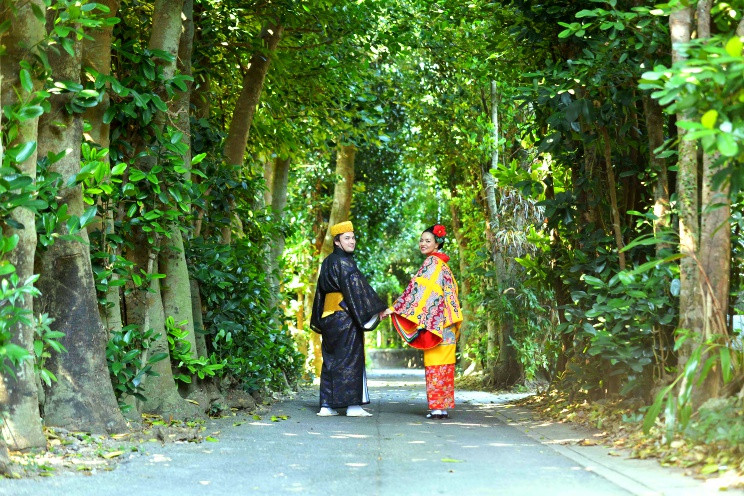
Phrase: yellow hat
(342, 227)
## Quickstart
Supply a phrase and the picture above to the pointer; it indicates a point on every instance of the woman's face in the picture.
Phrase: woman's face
(427, 245)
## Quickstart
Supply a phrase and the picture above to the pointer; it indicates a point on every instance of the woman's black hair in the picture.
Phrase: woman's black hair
(437, 239)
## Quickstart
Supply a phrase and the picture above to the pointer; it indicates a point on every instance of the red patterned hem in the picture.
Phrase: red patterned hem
(440, 386)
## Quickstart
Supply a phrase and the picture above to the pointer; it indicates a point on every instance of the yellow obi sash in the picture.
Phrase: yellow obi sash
(331, 304)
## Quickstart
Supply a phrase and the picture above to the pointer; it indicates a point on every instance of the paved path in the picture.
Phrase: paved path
(486, 448)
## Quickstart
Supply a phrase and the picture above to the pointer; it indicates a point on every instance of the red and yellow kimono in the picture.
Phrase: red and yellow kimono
(428, 316)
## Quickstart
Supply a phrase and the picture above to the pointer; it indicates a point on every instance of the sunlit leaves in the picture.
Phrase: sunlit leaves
(708, 83)
(708, 120)
(734, 46)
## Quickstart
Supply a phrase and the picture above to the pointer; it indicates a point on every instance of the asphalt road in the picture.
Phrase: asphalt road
(486, 448)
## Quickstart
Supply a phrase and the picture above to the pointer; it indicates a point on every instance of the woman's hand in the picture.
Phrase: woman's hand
(385, 313)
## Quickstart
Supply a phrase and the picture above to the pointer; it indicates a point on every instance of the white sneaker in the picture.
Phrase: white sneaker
(357, 411)
(326, 412)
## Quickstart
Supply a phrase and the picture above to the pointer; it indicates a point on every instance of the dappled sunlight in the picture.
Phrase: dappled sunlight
(349, 436)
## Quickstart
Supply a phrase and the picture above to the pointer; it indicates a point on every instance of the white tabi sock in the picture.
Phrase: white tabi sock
(327, 412)
(357, 411)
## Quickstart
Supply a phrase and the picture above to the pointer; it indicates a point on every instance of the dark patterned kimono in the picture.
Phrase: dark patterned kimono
(345, 306)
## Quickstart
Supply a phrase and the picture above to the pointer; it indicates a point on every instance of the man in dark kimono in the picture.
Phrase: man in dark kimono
(345, 306)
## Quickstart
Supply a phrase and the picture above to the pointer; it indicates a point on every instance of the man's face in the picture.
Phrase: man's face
(347, 242)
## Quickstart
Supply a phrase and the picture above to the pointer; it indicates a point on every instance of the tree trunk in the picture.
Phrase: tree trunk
(144, 307)
(245, 106)
(612, 186)
(489, 190)
(680, 26)
(196, 310)
(690, 296)
(176, 288)
(209, 385)
(506, 370)
(268, 180)
(21, 423)
(166, 31)
(278, 198)
(177, 302)
(97, 56)
(703, 18)
(714, 250)
(655, 131)
(82, 398)
(4, 459)
(345, 155)
(182, 106)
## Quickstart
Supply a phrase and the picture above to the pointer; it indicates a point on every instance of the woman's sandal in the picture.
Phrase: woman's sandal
(437, 416)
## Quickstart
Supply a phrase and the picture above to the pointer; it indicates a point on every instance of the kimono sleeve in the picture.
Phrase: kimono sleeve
(361, 301)
(317, 311)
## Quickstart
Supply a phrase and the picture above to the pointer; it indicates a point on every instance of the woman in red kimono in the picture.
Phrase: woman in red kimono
(428, 316)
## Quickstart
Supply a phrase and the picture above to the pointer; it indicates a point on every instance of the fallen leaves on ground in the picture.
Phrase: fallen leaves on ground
(85, 453)
(619, 423)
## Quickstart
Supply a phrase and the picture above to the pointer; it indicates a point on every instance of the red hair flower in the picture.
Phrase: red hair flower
(439, 231)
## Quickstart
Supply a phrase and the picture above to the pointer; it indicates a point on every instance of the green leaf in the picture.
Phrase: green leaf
(6, 268)
(670, 418)
(593, 281)
(655, 409)
(198, 158)
(30, 112)
(726, 370)
(727, 145)
(709, 118)
(157, 357)
(10, 243)
(159, 104)
(26, 81)
(734, 47)
(625, 277)
(88, 216)
(22, 152)
(137, 175)
(109, 115)
(586, 13)
(89, 94)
